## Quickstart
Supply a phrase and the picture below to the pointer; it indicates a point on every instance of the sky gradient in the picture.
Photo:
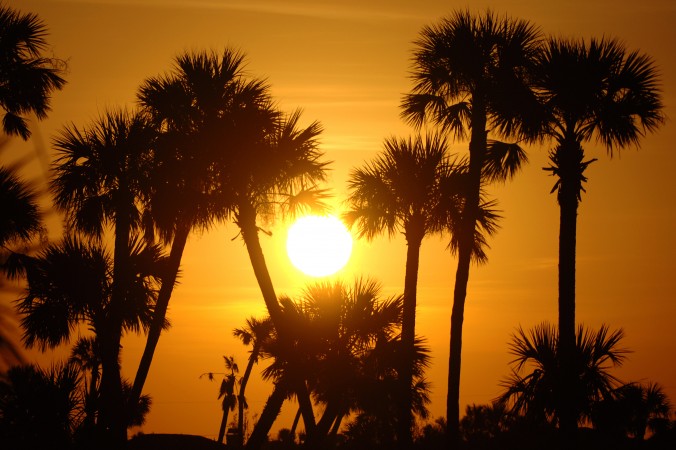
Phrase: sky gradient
(346, 64)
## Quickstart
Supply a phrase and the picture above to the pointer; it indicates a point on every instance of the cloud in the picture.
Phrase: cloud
(310, 9)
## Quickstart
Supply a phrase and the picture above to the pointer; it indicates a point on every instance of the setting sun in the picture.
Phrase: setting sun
(318, 245)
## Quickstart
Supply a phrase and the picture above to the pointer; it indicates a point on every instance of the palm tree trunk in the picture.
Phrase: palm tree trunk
(247, 224)
(477, 151)
(224, 422)
(414, 236)
(294, 425)
(270, 412)
(315, 440)
(242, 387)
(160, 313)
(112, 413)
(570, 167)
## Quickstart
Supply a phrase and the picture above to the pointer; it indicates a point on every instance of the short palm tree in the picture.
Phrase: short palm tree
(535, 386)
(100, 178)
(633, 409)
(413, 188)
(256, 333)
(195, 106)
(590, 90)
(227, 393)
(39, 408)
(471, 75)
(27, 78)
(87, 358)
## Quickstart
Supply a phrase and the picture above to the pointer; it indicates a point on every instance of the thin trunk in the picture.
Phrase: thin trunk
(112, 412)
(294, 425)
(414, 236)
(224, 421)
(270, 412)
(242, 387)
(247, 223)
(160, 314)
(477, 152)
(571, 167)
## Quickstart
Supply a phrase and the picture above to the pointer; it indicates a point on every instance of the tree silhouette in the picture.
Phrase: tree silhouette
(227, 393)
(471, 76)
(195, 106)
(255, 333)
(633, 409)
(412, 188)
(27, 78)
(39, 408)
(100, 177)
(589, 90)
(537, 393)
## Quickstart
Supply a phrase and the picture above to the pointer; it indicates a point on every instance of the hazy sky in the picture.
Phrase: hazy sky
(345, 63)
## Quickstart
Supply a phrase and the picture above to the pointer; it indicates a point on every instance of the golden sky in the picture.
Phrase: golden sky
(345, 63)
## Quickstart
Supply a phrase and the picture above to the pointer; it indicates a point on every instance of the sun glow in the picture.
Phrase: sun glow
(319, 245)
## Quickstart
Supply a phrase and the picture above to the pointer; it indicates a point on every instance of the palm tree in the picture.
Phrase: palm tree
(347, 353)
(87, 358)
(535, 386)
(39, 408)
(471, 76)
(100, 176)
(589, 90)
(20, 222)
(633, 409)
(195, 105)
(402, 191)
(273, 171)
(27, 78)
(227, 392)
(255, 333)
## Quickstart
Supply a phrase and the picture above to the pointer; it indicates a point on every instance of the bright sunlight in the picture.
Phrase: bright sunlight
(319, 245)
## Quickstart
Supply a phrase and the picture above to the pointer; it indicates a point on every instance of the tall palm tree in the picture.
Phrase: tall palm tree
(255, 333)
(471, 76)
(195, 106)
(535, 386)
(273, 171)
(405, 189)
(27, 78)
(596, 89)
(100, 177)
(70, 284)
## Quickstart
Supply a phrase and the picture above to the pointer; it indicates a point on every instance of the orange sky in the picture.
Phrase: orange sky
(345, 63)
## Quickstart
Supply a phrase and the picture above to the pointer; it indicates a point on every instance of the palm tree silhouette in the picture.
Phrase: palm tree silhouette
(406, 189)
(100, 177)
(86, 356)
(39, 408)
(227, 393)
(537, 356)
(27, 78)
(195, 105)
(347, 351)
(589, 90)
(471, 76)
(255, 333)
(633, 409)
(20, 222)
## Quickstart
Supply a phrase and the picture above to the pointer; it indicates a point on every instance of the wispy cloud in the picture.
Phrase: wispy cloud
(309, 9)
